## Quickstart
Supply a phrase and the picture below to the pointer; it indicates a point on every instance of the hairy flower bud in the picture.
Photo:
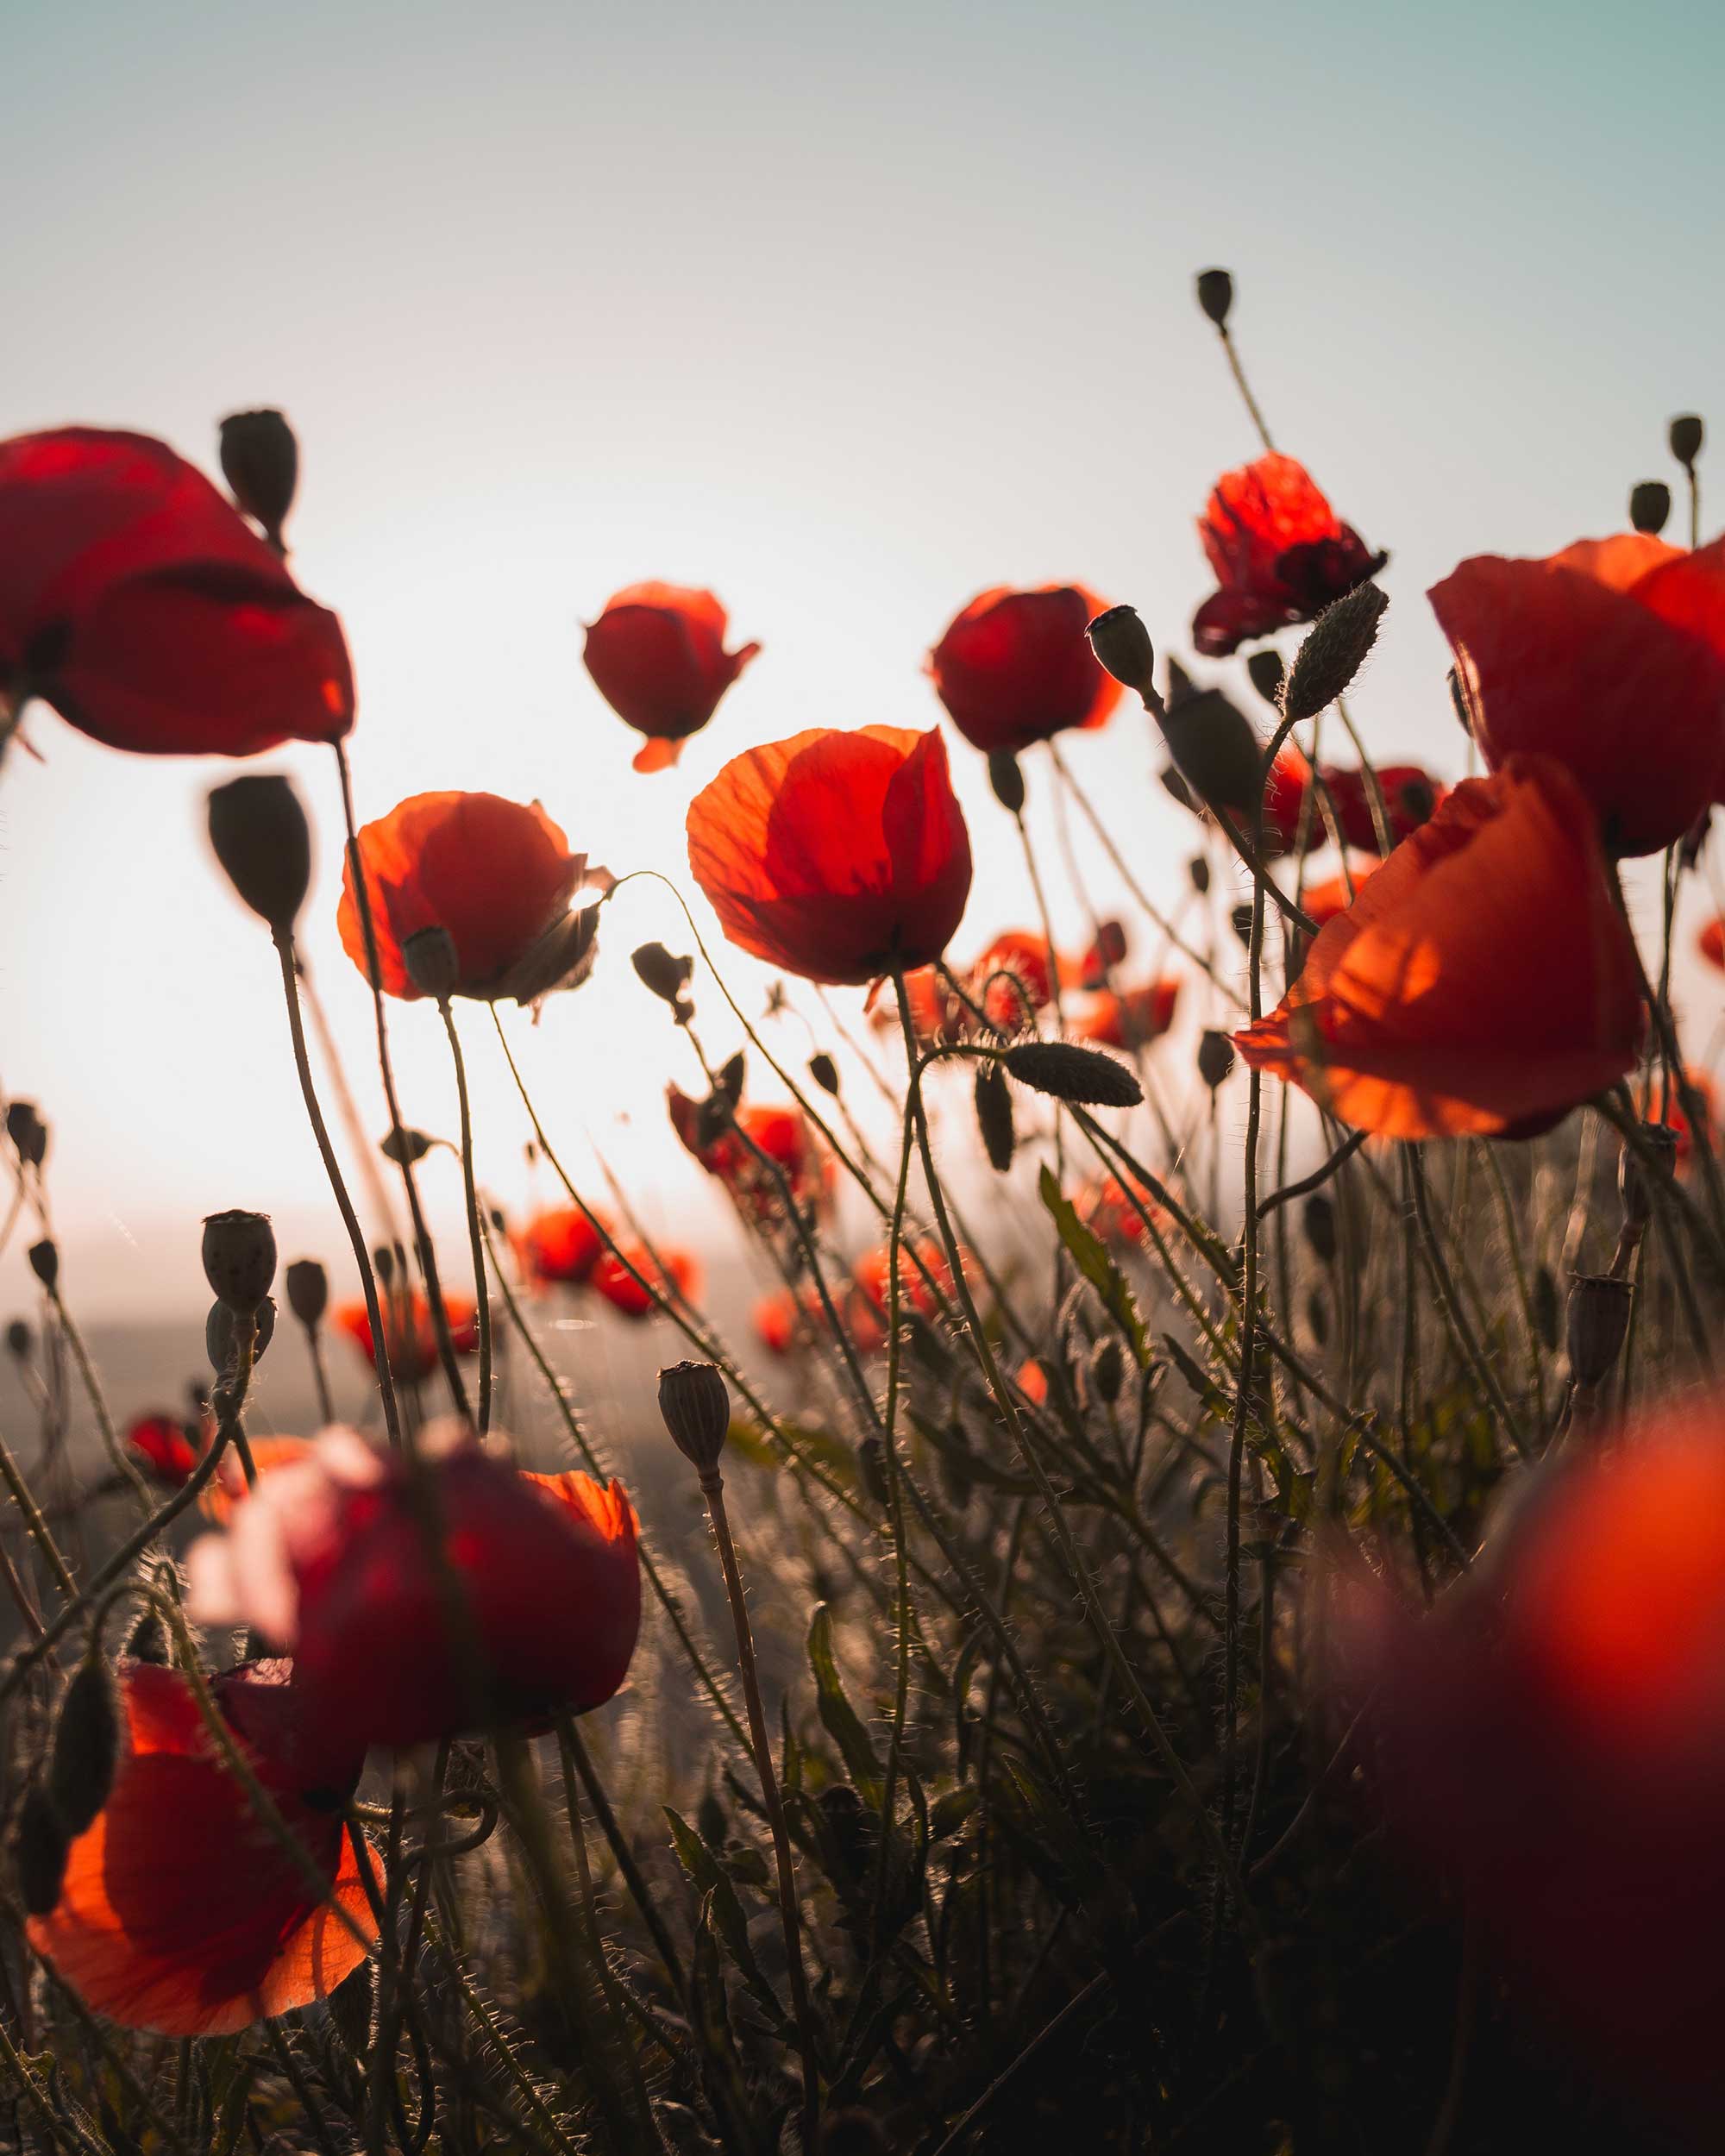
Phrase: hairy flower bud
(1332, 653)
(1267, 673)
(995, 1115)
(1215, 1058)
(27, 1132)
(1216, 295)
(83, 1746)
(434, 965)
(239, 1258)
(221, 1334)
(1687, 434)
(1216, 748)
(44, 1258)
(261, 463)
(695, 1403)
(308, 1291)
(148, 1640)
(1005, 776)
(262, 840)
(1598, 1318)
(1650, 504)
(825, 1072)
(39, 1852)
(666, 976)
(1123, 648)
(1071, 1073)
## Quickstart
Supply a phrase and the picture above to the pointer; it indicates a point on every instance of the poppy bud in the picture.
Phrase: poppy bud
(148, 1640)
(239, 1258)
(695, 1403)
(39, 1852)
(1108, 1369)
(383, 1261)
(668, 977)
(1071, 1073)
(261, 463)
(995, 1116)
(1598, 1318)
(1217, 750)
(1267, 671)
(1332, 653)
(264, 844)
(1215, 1058)
(1650, 505)
(82, 1744)
(18, 1340)
(1176, 788)
(872, 1467)
(1006, 777)
(1199, 870)
(1317, 1317)
(308, 1291)
(1319, 1220)
(1122, 648)
(1240, 921)
(1636, 1176)
(433, 963)
(44, 1258)
(221, 1334)
(1216, 295)
(825, 1072)
(27, 1131)
(561, 958)
(1687, 434)
(405, 1148)
(730, 1080)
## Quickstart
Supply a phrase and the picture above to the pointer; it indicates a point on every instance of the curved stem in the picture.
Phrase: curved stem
(481, 1292)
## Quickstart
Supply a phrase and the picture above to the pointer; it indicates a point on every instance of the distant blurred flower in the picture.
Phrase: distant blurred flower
(1711, 943)
(1105, 1207)
(678, 1273)
(1410, 799)
(412, 1337)
(1016, 668)
(1024, 958)
(775, 1318)
(1280, 554)
(938, 1016)
(165, 1446)
(784, 1135)
(559, 1246)
(918, 1256)
(229, 1488)
(1131, 1019)
(657, 655)
(1323, 901)
(1108, 951)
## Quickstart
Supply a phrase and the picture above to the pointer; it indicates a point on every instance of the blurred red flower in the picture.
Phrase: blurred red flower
(1324, 902)
(561, 1246)
(676, 1273)
(939, 1017)
(917, 1255)
(165, 1446)
(1609, 656)
(784, 1135)
(1016, 668)
(1106, 1208)
(1481, 982)
(657, 655)
(412, 1337)
(228, 1487)
(1280, 554)
(178, 1913)
(837, 856)
(1106, 952)
(1130, 1019)
(1711, 943)
(775, 1318)
(354, 1547)
(1705, 1088)
(1410, 799)
(138, 602)
(1025, 959)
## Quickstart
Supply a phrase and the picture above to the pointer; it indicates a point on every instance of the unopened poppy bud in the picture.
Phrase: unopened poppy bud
(1006, 777)
(44, 1258)
(1687, 434)
(871, 1465)
(221, 1334)
(1199, 870)
(1215, 1058)
(27, 1131)
(1319, 1220)
(148, 1640)
(1122, 648)
(239, 1258)
(1598, 1318)
(19, 1340)
(1333, 652)
(1240, 921)
(434, 965)
(39, 1852)
(261, 463)
(695, 1403)
(1176, 788)
(1267, 674)
(82, 1749)
(308, 1291)
(1071, 1073)
(666, 976)
(264, 844)
(995, 1116)
(1108, 1370)
(825, 1072)
(404, 1147)
(1217, 750)
(1650, 504)
(1216, 295)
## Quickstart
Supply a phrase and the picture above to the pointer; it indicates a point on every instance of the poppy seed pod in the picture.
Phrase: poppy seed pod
(1332, 653)
(221, 1334)
(1598, 1318)
(27, 1131)
(239, 1258)
(308, 1291)
(825, 1072)
(18, 1340)
(1687, 434)
(44, 1258)
(995, 1116)
(39, 1853)
(1216, 295)
(1267, 671)
(1650, 505)
(261, 463)
(1005, 776)
(695, 1403)
(82, 1749)
(261, 839)
(433, 963)
(1123, 648)
(1215, 1058)
(1071, 1073)
(403, 1147)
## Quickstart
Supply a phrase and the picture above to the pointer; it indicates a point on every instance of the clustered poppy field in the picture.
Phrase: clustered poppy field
(1237, 1664)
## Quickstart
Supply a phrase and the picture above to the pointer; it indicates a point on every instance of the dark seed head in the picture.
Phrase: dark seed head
(695, 1403)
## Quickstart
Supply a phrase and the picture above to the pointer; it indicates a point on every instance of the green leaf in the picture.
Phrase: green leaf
(840, 1720)
(1088, 1254)
(713, 1883)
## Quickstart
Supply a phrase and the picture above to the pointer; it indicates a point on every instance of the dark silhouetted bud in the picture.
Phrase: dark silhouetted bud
(995, 1115)
(1215, 1058)
(39, 1849)
(262, 840)
(1071, 1073)
(1217, 750)
(1122, 648)
(44, 1258)
(712, 1819)
(19, 1340)
(666, 976)
(1266, 670)
(696, 1404)
(383, 1260)
(221, 1334)
(1108, 1369)
(1319, 1220)
(729, 1083)
(433, 963)
(871, 1465)
(308, 1291)
(1650, 504)
(1006, 778)
(148, 1640)
(239, 1258)
(1199, 870)
(83, 1746)
(1544, 1300)
(825, 1072)
(405, 1148)
(1240, 921)
(1176, 788)
(27, 1131)
(261, 463)
(1318, 1317)
(1216, 295)
(1598, 1318)
(1687, 434)
(1333, 652)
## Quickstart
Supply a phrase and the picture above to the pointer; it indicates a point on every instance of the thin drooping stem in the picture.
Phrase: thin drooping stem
(1231, 353)
(476, 1241)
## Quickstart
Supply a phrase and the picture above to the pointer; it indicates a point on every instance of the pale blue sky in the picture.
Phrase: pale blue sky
(846, 312)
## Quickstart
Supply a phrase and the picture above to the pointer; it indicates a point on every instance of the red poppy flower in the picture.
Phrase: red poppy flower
(1702, 1085)
(1324, 902)
(872, 1273)
(837, 856)
(561, 1246)
(138, 602)
(1106, 1208)
(336, 1552)
(497, 876)
(1551, 1739)
(1034, 1381)
(1483, 981)
(939, 1017)
(165, 1446)
(1410, 799)
(1106, 952)
(1279, 552)
(1132, 1018)
(784, 1135)
(412, 1338)
(775, 1318)
(1711, 943)
(1011, 1002)
(677, 1274)
(1609, 656)
(228, 1487)
(178, 1912)
(657, 655)
(1016, 668)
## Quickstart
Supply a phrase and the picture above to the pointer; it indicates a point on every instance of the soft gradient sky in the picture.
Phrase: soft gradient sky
(846, 312)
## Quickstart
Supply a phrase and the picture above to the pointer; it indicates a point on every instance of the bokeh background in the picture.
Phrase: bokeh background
(846, 312)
